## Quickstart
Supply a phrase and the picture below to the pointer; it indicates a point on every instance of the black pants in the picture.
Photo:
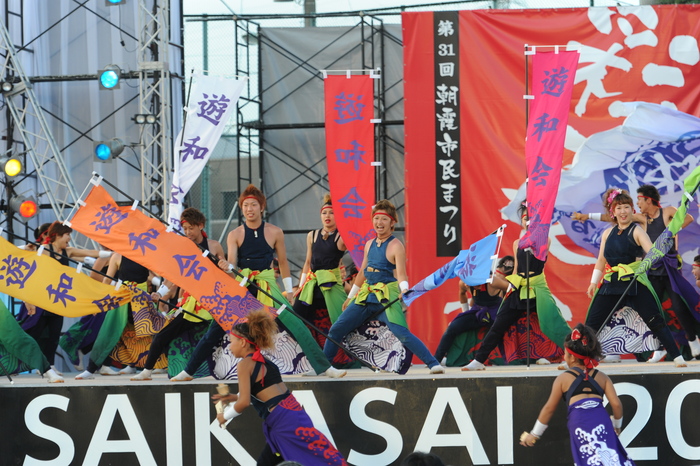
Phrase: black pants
(53, 323)
(167, 334)
(464, 322)
(644, 304)
(511, 310)
(661, 284)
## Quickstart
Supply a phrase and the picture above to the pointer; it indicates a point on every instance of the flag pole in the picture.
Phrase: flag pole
(527, 97)
(275, 300)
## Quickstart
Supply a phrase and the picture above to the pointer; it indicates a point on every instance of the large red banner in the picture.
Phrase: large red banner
(645, 53)
(350, 152)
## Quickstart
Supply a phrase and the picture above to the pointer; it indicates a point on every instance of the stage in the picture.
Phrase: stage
(374, 418)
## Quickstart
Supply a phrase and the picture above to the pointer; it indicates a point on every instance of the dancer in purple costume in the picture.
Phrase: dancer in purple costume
(592, 432)
(287, 428)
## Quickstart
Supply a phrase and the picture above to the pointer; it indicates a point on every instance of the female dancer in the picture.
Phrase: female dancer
(35, 320)
(593, 434)
(321, 285)
(516, 302)
(260, 383)
(621, 247)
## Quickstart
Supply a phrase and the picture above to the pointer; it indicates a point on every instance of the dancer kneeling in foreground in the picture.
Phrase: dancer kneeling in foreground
(260, 383)
(592, 433)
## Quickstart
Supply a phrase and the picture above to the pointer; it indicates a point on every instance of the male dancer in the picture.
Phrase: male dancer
(666, 276)
(376, 285)
(192, 221)
(251, 247)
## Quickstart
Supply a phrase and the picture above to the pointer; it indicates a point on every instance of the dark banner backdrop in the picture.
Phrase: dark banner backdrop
(376, 422)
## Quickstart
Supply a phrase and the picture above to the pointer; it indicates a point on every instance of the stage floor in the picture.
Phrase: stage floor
(627, 367)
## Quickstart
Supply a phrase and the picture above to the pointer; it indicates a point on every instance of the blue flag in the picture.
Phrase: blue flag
(472, 266)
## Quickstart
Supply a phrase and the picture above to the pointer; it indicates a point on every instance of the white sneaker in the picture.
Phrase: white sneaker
(182, 377)
(611, 358)
(680, 362)
(128, 370)
(695, 347)
(160, 371)
(106, 370)
(657, 356)
(474, 366)
(53, 377)
(57, 371)
(311, 373)
(334, 373)
(563, 367)
(86, 375)
(437, 369)
(542, 362)
(144, 375)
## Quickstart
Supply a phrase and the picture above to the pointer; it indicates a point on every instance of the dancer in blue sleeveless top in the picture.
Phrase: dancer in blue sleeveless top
(592, 432)
(376, 286)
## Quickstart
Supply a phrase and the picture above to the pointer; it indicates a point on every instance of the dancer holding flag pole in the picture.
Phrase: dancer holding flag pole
(529, 290)
(376, 285)
(624, 277)
(252, 247)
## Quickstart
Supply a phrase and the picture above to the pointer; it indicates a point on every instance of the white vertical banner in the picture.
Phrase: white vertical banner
(210, 104)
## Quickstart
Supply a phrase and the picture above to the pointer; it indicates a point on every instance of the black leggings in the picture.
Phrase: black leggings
(167, 334)
(511, 310)
(54, 324)
(644, 304)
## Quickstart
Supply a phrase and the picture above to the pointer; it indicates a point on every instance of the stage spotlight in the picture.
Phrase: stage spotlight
(6, 86)
(144, 119)
(108, 150)
(109, 77)
(10, 165)
(25, 206)
(114, 2)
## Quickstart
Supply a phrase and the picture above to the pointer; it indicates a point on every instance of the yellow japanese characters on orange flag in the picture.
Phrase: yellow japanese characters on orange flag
(145, 240)
(46, 283)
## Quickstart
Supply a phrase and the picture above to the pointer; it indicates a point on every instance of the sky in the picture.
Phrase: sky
(250, 7)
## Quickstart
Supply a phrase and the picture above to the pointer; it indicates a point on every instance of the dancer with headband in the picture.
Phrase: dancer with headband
(592, 432)
(288, 429)
(321, 286)
(375, 286)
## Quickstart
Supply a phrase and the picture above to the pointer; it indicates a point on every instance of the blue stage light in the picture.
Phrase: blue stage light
(109, 77)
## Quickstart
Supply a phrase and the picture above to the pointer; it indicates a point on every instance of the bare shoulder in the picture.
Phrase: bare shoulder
(214, 246)
(274, 229)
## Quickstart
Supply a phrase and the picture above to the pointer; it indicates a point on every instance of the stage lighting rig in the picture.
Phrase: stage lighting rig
(105, 151)
(109, 77)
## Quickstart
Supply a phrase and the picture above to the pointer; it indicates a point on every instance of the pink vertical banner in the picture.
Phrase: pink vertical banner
(349, 109)
(553, 83)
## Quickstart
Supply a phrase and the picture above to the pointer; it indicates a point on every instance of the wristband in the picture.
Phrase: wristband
(596, 276)
(403, 286)
(594, 216)
(230, 412)
(353, 291)
(538, 429)
(156, 281)
(287, 281)
(617, 423)
(104, 254)
(303, 279)
(465, 306)
(163, 290)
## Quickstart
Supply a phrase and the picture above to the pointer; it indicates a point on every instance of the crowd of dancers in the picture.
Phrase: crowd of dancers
(176, 332)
